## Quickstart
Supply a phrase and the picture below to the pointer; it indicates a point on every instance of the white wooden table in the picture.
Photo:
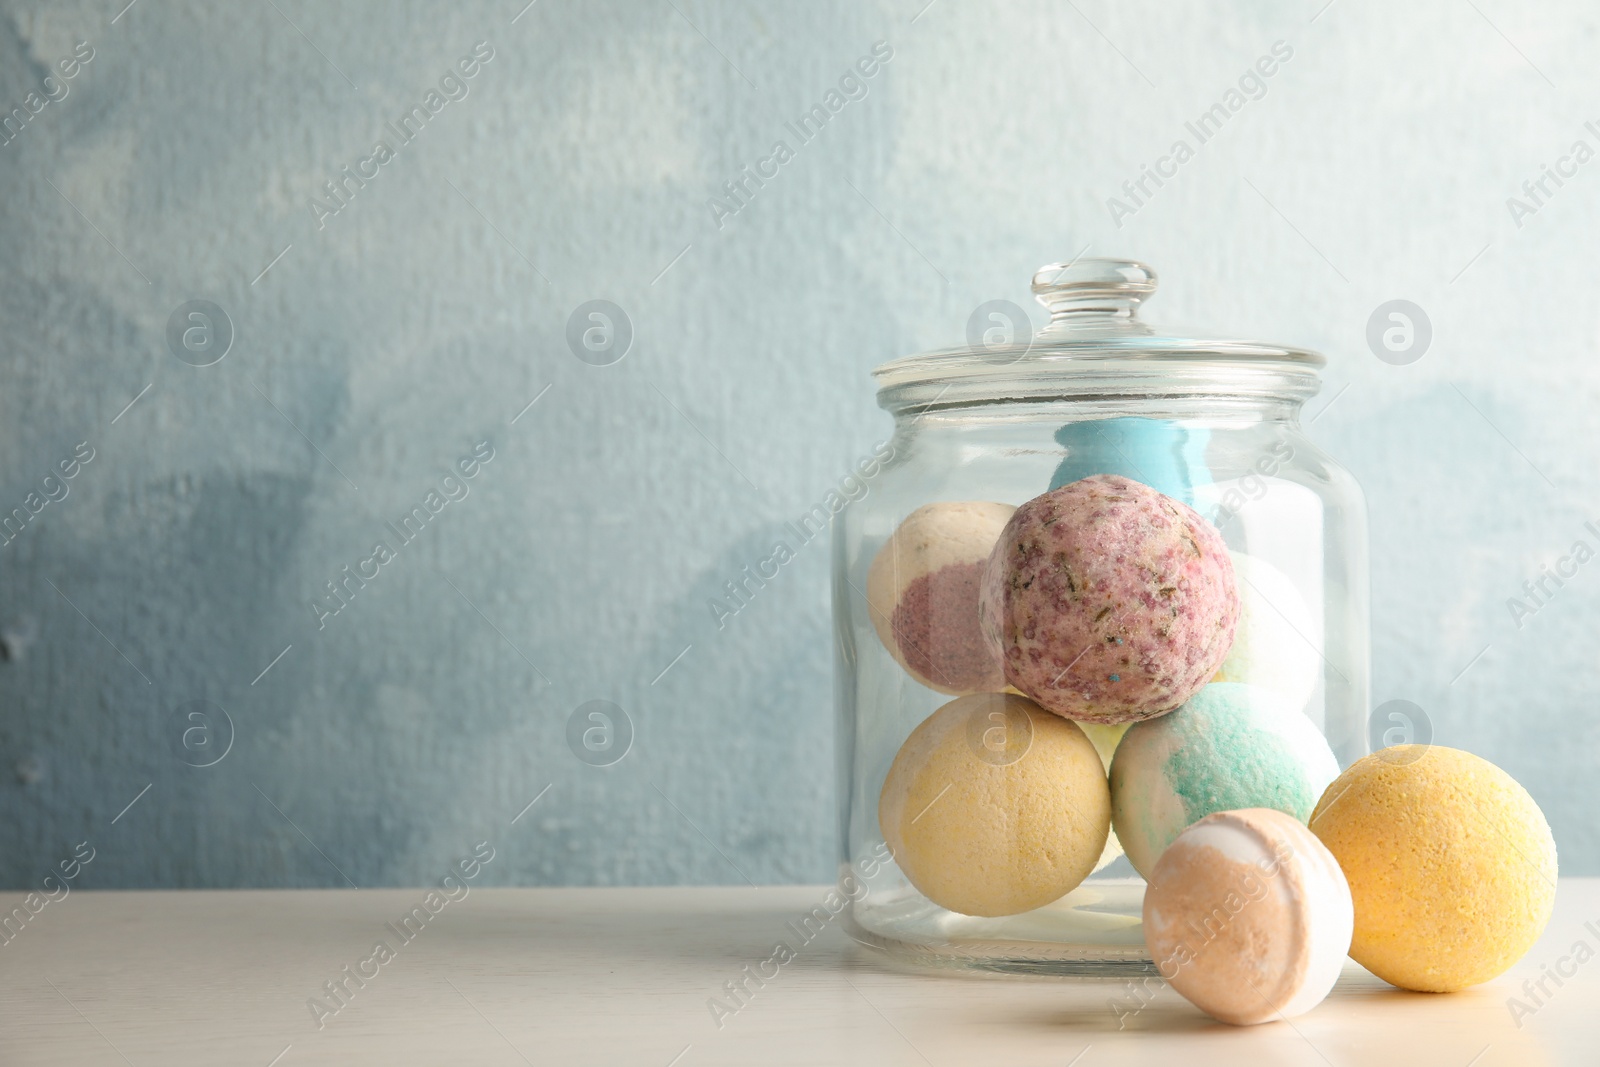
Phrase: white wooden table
(624, 976)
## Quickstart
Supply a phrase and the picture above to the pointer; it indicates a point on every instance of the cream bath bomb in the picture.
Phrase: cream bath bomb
(1109, 602)
(1229, 746)
(1450, 861)
(1248, 916)
(1272, 645)
(994, 807)
(922, 594)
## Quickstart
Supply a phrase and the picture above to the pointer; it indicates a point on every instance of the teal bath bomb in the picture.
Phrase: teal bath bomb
(1231, 746)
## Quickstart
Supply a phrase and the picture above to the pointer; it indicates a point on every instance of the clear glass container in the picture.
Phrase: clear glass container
(1215, 423)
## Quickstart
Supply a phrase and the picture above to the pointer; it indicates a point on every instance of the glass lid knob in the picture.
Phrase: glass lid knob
(1087, 291)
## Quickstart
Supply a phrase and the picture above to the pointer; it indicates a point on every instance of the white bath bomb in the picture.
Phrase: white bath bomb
(1272, 646)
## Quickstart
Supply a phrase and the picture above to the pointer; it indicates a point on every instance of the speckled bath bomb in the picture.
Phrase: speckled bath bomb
(922, 592)
(1230, 746)
(1248, 916)
(1450, 862)
(993, 806)
(1108, 601)
(1272, 645)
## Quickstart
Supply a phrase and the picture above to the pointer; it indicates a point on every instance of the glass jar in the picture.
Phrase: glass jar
(997, 422)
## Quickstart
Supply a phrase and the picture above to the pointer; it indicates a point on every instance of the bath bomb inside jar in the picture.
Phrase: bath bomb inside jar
(995, 807)
(1229, 746)
(1248, 916)
(1450, 861)
(1108, 601)
(922, 594)
(1105, 738)
(1272, 644)
(1166, 455)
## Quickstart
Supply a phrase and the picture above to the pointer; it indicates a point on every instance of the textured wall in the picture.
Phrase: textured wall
(408, 323)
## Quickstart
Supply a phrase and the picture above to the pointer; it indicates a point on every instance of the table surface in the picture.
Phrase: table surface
(626, 976)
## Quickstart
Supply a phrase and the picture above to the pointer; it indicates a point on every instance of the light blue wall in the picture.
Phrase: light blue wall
(420, 319)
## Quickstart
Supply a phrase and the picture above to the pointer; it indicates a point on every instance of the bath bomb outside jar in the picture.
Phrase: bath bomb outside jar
(1229, 746)
(1248, 916)
(922, 594)
(1450, 861)
(1108, 601)
(1272, 645)
(994, 806)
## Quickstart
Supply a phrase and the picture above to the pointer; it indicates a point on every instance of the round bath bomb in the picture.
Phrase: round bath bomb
(1229, 746)
(1272, 644)
(922, 594)
(1105, 738)
(1108, 601)
(1248, 916)
(993, 806)
(1165, 455)
(1450, 862)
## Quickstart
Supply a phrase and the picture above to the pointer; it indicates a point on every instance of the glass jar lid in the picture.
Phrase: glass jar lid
(1095, 347)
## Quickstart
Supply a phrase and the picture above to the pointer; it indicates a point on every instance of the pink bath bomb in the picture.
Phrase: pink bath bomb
(922, 589)
(1108, 601)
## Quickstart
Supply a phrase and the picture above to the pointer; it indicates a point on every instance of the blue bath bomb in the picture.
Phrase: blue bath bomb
(1165, 455)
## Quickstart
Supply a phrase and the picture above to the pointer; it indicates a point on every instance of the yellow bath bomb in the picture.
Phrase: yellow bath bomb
(994, 806)
(1450, 862)
(1105, 737)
